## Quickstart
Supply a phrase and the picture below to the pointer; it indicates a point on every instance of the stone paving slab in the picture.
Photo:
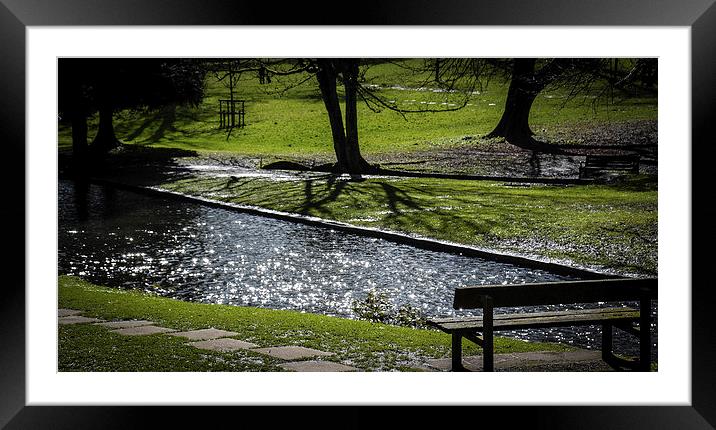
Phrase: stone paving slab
(291, 352)
(67, 312)
(204, 334)
(223, 345)
(125, 324)
(77, 319)
(581, 360)
(317, 366)
(142, 330)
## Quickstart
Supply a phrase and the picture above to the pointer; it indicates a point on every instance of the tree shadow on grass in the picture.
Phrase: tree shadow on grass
(182, 121)
(394, 197)
(331, 198)
(164, 119)
(235, 188)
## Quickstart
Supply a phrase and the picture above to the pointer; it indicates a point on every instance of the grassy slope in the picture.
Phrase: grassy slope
(295, 122)
(612, 226)
(363, 344)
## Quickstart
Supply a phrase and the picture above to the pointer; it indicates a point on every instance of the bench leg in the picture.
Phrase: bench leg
(488, 349)
(457, 353)
(645, 335)
(607, 342)
(643, 364)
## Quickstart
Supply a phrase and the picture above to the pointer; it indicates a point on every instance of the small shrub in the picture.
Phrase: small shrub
(408, 315)
(376, 307)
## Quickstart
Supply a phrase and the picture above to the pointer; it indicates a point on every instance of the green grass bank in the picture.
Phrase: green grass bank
(368, 346)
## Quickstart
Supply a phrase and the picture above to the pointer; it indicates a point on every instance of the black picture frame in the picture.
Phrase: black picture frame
(699, 15)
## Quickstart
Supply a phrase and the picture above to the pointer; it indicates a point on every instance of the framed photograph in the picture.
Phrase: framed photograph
(680, 36)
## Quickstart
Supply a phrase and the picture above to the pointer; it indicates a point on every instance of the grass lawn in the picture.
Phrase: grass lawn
(295, 123)
(368, 346)
(608, 226)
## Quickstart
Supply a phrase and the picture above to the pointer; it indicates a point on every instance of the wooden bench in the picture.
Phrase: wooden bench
(480, 329)
(597, 163)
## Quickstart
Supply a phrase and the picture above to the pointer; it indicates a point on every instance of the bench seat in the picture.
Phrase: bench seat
(516, 321)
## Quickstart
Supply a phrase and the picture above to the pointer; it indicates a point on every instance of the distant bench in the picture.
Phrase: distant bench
(480, 329)
(597, 163)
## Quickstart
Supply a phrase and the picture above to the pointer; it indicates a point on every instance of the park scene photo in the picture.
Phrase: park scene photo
(357, 214)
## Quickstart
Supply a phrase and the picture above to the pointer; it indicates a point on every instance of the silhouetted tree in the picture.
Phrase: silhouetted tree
(345, 137)
(108, 84)
(331, 74)
(228, 71)
(75, 102)
(525, 83)
(530, 76)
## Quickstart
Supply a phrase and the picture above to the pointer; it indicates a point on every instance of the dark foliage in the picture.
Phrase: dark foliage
(104, 85)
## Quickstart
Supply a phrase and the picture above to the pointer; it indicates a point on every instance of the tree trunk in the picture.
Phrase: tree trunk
(105, 139)
(326, 77)
(231, 99)
(345, 140)
(514, 124)
(354, 160)
(79, 137)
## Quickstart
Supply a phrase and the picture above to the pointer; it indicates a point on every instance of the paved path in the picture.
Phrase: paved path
(572, 361)
(213, 339)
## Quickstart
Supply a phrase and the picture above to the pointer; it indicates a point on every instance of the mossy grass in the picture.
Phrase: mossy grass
(294, 122)
(368, 346)
(604, 226)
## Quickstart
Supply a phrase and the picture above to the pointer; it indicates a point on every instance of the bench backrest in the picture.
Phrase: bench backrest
(547, 293)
